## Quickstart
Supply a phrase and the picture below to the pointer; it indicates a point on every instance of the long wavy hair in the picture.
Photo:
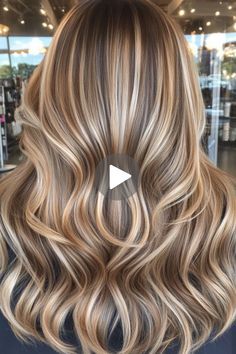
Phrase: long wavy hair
(118, 77)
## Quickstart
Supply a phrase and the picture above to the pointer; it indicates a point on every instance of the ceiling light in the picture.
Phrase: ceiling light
(50, 26)
(3, 29)
(217, 13)
(235, 26)
(181, 12)
(200, 28)
(192, 10)
(42, 11)
(44, 24)
(5, 8)
(208, 23)
(230, 7)
(22, 21)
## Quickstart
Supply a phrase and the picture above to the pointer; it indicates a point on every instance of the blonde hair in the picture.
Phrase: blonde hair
(118, 77)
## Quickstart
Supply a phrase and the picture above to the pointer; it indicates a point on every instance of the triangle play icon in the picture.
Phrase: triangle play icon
(117, 176)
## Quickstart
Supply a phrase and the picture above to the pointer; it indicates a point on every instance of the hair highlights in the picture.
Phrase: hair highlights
(117, 78)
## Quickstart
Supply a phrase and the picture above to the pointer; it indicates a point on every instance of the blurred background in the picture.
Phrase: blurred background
(26, 30)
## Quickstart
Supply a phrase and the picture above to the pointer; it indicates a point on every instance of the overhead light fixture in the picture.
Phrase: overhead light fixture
(50, 26)
(200, 28)
(230, 7)
(192, 11)
(4, 29)
(217, 13)
(44, 24)
(181, 12)
(5, 8)
(22, 21)
(42, 11)
(208, 23)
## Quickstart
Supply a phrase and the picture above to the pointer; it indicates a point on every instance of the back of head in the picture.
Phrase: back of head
(118, 78)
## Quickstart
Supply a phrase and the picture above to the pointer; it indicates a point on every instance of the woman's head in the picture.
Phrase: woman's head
(113, 67)
(118, 78)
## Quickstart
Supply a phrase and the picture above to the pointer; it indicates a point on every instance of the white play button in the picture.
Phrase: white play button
(117, 176)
